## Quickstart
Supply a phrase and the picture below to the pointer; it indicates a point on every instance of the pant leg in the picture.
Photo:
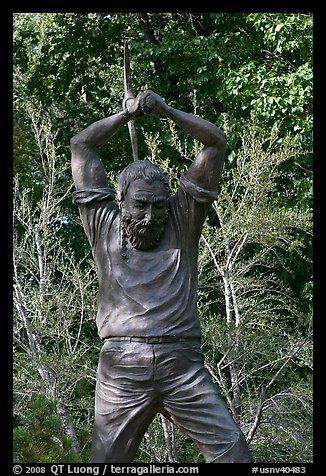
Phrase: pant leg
(197, 407)
(125, 401)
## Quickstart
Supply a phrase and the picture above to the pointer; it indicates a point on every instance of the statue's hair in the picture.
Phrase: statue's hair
(140, 169)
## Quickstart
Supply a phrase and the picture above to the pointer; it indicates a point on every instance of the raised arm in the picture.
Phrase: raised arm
(87, 168)
(207, 167)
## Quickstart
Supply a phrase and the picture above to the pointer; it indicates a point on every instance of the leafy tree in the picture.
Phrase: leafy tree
(258, 336)
(54, 303)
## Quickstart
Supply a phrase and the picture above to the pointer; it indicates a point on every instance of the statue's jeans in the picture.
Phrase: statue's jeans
(135, 381)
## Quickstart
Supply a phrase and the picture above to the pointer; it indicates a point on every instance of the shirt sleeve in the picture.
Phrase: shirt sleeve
(88, 195)
(191, 204)
(96, 207)
(199, 194)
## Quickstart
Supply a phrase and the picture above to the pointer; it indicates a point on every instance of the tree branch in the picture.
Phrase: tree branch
(262, 399)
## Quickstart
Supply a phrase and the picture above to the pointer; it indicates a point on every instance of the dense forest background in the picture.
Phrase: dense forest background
(249, 73)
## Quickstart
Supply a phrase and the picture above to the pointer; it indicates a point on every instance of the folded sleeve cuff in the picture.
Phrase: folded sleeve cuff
(87, 195)
(198, 193)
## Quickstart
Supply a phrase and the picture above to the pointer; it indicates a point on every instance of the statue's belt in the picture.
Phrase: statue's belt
(154, 339)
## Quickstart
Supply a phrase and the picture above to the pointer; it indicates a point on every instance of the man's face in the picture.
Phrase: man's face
(145, 213)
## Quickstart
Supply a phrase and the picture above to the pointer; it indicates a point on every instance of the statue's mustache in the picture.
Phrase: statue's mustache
(145, 224)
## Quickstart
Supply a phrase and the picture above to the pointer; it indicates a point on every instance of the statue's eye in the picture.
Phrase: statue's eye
(159, 205)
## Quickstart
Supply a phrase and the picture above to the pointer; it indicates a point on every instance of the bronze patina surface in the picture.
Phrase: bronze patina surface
(145, 247)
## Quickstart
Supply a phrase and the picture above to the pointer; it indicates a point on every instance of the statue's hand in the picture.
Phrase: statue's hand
(152, 103)
(133, 105)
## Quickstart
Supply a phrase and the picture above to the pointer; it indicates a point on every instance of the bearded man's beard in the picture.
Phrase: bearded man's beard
(143, 234)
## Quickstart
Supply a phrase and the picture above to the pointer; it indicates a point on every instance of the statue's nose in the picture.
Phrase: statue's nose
(148, 216)
(149, 212)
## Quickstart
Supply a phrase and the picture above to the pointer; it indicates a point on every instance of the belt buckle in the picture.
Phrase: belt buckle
(153, 340)
(159, 340)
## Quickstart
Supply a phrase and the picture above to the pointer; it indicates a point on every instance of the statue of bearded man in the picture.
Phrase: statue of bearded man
(145, 248)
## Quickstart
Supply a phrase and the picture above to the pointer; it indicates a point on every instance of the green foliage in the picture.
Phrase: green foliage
(38, 438)
(286, 433)
(54, 298)
(257, 328)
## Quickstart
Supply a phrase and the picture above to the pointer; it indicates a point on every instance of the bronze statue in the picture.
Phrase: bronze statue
(145, 249)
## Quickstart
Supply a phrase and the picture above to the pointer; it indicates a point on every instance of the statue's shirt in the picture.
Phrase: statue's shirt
(152, 292)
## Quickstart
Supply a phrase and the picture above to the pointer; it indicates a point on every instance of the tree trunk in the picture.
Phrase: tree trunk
(169, 438)
(232, 344)
(68, 426)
